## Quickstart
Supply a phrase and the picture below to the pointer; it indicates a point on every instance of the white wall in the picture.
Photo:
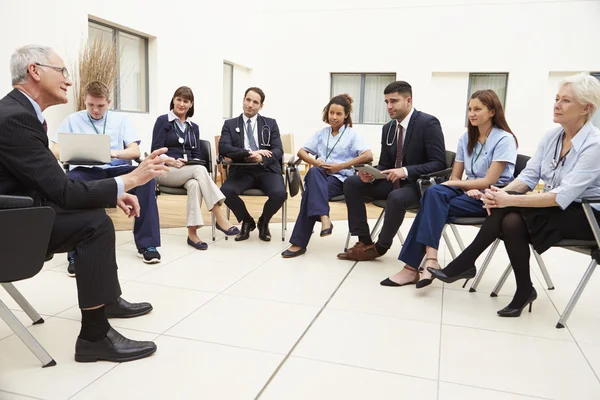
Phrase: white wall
(432, 44)
(290, 48)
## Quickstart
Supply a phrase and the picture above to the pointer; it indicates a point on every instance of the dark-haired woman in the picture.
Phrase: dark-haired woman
(181, 136)
(336, 149)
(487, 152)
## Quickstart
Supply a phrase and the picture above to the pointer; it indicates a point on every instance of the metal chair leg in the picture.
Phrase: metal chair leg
(23, 303)
(375, 231)
(484, 266)
(283, 221)
(212, 220)
(400, 236)
(576, 295)
(228, 212)
(347, 242)
(542, 266)
(501, 282)
(447, 240)
(457, 236)
(26, 337)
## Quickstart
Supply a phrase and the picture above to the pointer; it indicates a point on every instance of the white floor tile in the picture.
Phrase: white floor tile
(12, 396)
(301, 379)
(21, 372)
(515, 363)
(450, 391)
(24, 318)
(380, 343)
(170, 306)
(185, 369)
(250, 323)
(404, 302)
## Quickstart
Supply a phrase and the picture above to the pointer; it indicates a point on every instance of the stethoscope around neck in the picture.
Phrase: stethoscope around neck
(264, 129)
(387, 140)
(557, 159)
(185, 135)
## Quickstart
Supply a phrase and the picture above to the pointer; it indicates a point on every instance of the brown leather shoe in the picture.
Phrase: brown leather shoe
(363, 253)
(344, 256)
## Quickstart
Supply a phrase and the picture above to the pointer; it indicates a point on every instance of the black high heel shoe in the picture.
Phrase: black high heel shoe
(516, 312)
(467, 275)
(427, 281)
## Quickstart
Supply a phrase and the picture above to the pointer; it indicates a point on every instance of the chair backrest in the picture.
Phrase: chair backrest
(287, 140)
(24, 249)
(206, 154)
(521, 163)
(450, 157)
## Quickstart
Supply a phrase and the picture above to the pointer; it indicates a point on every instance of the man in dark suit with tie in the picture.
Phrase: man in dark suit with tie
(412, 144)
(28, 168)
(254, 139)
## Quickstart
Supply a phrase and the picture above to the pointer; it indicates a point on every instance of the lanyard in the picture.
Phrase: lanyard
(477, 157)
(327, 151)
(94, 126)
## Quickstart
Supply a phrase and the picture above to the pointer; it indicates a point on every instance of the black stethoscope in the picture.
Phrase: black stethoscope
(556, 161)
(264, 129)
(182, 138)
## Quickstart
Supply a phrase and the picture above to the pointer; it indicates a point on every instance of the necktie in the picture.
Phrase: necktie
(400, 139)
(45, 125)
(250, 135)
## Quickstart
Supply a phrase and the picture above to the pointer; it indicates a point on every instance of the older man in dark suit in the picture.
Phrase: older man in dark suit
(254, 139)
(28, 168)
(412, 144)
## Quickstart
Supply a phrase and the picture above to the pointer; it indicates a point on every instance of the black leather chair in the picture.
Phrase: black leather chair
(478, 221)
(23, 244)
(424, 180)
(206, 155)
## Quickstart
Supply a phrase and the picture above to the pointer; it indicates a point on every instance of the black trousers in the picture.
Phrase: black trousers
(92, 235)
(356, 192)
(243, 179)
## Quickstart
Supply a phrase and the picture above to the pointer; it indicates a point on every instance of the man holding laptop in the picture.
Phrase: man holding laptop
(96, 119)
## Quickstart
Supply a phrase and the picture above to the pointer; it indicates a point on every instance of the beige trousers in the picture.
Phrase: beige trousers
(198, 183)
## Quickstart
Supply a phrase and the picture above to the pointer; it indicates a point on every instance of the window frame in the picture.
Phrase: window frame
(363, 77)
(503, 101)
(117, 94)
(230, 89)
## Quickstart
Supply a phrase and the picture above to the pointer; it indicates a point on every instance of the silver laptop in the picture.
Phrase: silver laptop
(84, 149)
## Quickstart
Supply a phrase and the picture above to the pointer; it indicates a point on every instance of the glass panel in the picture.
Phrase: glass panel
(132, 73)
(374, 107)
(350, 84)
(227, 90)
(105, 34)
(496, 82)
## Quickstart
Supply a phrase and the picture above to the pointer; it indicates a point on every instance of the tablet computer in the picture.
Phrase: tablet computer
(369, 169)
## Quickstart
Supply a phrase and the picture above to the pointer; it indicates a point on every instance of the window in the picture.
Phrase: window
(367, 92)
(596, 117)
(495, 81)
(227, 90)
(131, 89)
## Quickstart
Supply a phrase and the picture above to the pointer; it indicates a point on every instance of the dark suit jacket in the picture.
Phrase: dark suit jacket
(424, 150)
(233, 142)
(28, 167)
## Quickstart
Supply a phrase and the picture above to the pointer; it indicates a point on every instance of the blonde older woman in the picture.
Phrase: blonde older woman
(566, 161)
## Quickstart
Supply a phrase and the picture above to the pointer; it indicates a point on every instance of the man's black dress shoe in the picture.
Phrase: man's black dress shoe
(114, 347)
(264, 233)
(247, 227)
(291, 254)
(124, 309)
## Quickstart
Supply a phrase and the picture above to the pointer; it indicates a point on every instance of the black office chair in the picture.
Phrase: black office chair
(478, 221)
(23, 252)
(424, 181)
(257, 192)
(206, 155)
(588, 247)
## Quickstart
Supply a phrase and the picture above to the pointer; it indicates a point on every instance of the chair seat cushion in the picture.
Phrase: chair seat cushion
(254, 192)
(469, 221)
(337, 198)
(576, 243)
(172, 190)
(380, 203)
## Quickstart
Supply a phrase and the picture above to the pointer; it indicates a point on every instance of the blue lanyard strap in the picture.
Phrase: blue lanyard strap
(327, 151)
(94, 126)
(473, 161)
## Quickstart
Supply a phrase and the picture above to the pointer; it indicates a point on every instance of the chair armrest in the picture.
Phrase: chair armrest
(590, 200)
(15, 202)
(437, 174)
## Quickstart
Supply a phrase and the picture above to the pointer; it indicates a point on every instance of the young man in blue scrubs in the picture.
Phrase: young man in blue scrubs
(96, 119)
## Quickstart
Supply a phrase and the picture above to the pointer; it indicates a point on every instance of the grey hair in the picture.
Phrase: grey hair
(587, 90)
(24, 56)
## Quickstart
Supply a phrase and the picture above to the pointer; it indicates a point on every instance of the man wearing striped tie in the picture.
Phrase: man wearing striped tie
(412, 144)
(255, 140)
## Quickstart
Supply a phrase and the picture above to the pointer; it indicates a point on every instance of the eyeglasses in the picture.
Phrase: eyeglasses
(62, 70)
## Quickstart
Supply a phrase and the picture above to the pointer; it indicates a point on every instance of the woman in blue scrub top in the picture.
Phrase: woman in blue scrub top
(487, 153)
(337, 148)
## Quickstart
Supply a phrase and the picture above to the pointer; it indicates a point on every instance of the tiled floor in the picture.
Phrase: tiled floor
(239, 322)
